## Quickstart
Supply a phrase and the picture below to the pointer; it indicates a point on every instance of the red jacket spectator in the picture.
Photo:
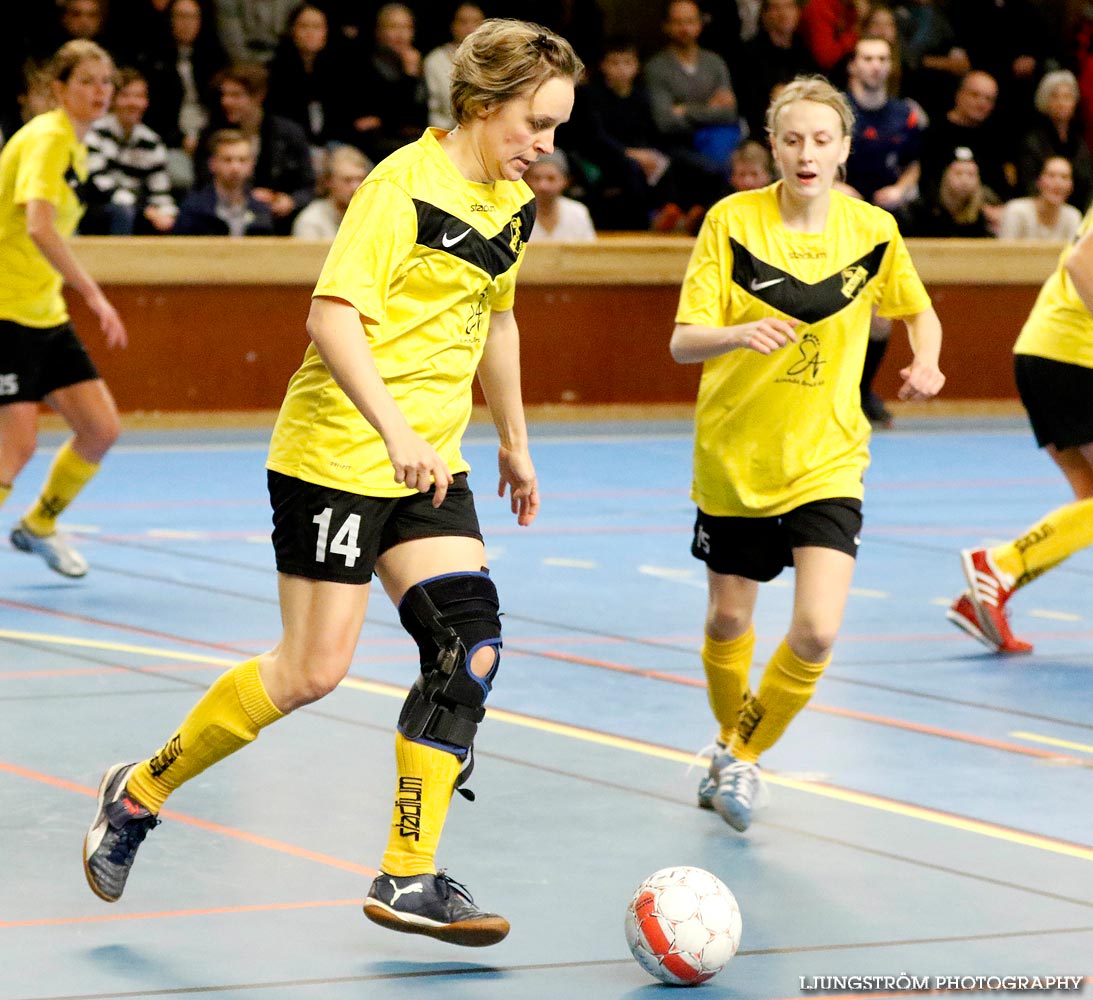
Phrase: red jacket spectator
(830, 29)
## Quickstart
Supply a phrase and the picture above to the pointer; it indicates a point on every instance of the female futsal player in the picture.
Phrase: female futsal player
(776, 303)
(41, 358)
(365, 473)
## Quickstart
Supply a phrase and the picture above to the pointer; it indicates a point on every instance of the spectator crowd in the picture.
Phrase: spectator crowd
(237, 117)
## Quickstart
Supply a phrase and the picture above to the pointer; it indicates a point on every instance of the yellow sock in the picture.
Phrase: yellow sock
(5, 492)
(728, 663)
(1047, 543)
(786, 686)
(67, 476)
(426, 780)
(228, 716)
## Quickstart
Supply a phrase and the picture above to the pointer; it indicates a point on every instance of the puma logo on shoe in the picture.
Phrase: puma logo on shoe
(412, 887)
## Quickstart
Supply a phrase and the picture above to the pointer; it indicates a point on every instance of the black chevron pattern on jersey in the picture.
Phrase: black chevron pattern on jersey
(440, 230)
(809, 303)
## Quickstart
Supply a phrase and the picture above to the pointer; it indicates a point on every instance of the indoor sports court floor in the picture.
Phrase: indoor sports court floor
(931, 811)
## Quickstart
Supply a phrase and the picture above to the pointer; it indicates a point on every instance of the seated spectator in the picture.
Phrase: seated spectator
(250, 29)
(880, 22)
(957, 207)
(307, 78)
(830, 28)
(437, 67)
(933, 62)
(226, 206)
(179, 86)
(883, 166)
(393, 107)
(34, 97)
(1057, 131)
(1046, 216)
(284, 178)
(345, 171)
(558, 219)
(613, 137)
(774, 56)
(971, 125)
(1008, 39)
(694, 106)
(752, 167)
(82, 19)
(128, 190)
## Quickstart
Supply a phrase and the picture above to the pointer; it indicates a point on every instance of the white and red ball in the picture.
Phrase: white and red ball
(683, 925)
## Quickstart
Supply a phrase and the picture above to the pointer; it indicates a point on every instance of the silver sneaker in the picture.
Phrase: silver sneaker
(59, 555)
(119, 828)
(738, 792)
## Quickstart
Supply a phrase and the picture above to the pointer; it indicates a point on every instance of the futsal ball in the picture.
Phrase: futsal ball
(683, 925)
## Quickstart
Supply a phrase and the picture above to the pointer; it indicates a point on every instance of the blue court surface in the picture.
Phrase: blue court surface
(930, 812)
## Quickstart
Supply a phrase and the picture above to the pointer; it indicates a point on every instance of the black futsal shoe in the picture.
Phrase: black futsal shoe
(434, 905)
(119, 828)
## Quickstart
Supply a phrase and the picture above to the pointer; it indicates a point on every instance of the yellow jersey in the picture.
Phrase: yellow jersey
(424, 256)
(1060, 327)
(43, 161)
(773, 432)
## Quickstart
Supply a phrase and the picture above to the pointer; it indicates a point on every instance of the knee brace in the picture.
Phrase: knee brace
(450, 618)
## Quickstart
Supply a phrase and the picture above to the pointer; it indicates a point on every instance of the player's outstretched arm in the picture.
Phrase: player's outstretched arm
(692, 343)
(922, 378)
(499, 376)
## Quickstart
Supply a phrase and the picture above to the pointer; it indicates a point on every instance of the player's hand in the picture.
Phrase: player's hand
(518, 474)
(109, 321)
(418, 466)
(921, 380)
(767, 334)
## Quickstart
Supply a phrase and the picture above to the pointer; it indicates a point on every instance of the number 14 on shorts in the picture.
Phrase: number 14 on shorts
(344, 542)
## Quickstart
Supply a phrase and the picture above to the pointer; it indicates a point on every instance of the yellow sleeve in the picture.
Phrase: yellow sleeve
(503, 290)
(705, 298)
(374, 240)
(43, 168)
(903, 293)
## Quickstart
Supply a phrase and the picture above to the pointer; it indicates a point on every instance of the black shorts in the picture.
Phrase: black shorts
(759, 548)
(1059, 400)
(35, 362)
(328, 534)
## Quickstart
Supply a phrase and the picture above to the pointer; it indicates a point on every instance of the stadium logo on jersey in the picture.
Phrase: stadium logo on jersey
(477, 206)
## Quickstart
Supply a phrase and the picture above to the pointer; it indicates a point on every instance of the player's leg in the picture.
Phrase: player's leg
(880, 332)
(824, 537)
(18, 442)
(326, 542)
(1056, 396)
(89, 409)
(322, 621)
(449, 605)
(739, 552)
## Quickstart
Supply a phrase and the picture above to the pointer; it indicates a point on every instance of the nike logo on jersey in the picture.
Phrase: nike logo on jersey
(451, 241)
(756, 284)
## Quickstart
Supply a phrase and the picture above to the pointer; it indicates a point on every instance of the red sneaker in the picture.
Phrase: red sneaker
(962, 614)
(990, 589)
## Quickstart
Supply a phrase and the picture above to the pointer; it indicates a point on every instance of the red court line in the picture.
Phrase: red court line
(227, 831)
(914, 727)
(159, 915)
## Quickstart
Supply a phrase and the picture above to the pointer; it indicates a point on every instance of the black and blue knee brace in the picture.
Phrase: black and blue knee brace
(450, 618)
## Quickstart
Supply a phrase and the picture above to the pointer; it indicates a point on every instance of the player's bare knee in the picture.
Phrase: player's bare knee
(726, 624)
(484, 661)
(811, 641)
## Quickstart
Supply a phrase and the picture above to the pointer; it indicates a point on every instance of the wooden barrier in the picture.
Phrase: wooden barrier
(218, 324)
